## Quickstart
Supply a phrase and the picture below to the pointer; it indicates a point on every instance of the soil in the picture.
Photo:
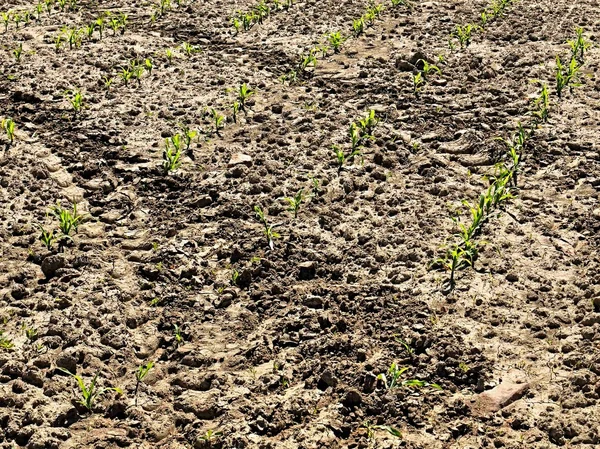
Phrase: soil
(288, 354)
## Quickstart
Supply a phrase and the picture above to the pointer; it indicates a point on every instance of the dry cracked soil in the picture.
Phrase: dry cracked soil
(283, 346)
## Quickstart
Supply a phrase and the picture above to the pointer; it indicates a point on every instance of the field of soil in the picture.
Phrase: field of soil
(269, 343)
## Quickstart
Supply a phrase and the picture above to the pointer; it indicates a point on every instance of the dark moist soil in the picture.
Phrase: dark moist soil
(288, 355)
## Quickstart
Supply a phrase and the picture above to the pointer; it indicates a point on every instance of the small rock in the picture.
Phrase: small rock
(352, 398)
(499, 397)
(240, 158)
(328, 378)
(314, 302)
(307, 270)
(53, 263)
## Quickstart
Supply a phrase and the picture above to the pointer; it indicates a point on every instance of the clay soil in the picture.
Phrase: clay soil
(287, 354)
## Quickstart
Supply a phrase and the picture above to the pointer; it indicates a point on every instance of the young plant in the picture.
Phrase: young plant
(68, 220)
(295, 202)
(8, 126)
(464, 34)
(6, 18)
(188, 135)
(210, 436)
(358, 26)
(268, 229)
(429, 68)
(566, 76)
(178, 335)
(244, 93)
(126, 74)
(579, 45)
(454, 259)
(90, 393)
(172, 154)
(75, 99)
(342, 157)
(108, 82)
(218, 120)
(47, 238)
(18, 52)
(190, 49)
(417, 83)
(542, 105)
(371, 428)
(336, 41)
(5, 343)
(140, 374)
(393, 379)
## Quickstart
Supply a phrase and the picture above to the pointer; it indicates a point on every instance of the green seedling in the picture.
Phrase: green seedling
(417, 83)
(367, 125)
(68, 220)
(464, 34)
(454, 259)
(393, 379)
(406, 3)
(566, 76)
(336, 40)
(30, 334)
(188, 136)
(316, 186)
(73, 36)
(307, 60)
(140, 374)
(235, 108)
(295, 202)
(148, 66)
(39, 9)
(47, 238)
(5, 343)
(90, 393)
(171, 154)
(178, 335)
(244, 93)
(579, 45)
(342, 158)
(358, 26)
(268, 229)
(190, 49)
(429, 68)
(126, 74)
(371, 428)
(100, 25)
(8, 126)
(108, 82)
(170, 55)
(75, 99)
(210, 436)
(218, 120)
(6, 18)
(18, 52)
(542, 105)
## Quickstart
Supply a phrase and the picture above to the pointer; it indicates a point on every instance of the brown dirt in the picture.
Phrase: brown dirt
(288, 357)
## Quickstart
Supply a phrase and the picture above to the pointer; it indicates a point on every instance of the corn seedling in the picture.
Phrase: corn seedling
(295, 202)
(17, 18)
(371, 428)
(464, 34)
(429, 68)
(90, 393)
(125, 74)
(417, 83)
(5, 343)
(367, 125)
(47, 238)
(542, 105)
(6, 18)
(148, 66)
(188, 136)
(342, 157)
(171, 154)
(307, 60)
(75, 99)
(30, 333)
(210, 436)
(566, 76)
(579, 45)
(140, 374)
(336, 40)
(170, 55)
(218, 120)
(190, 49)
(39, 9)
(358, 26)
(454, 259)
(177, 334)
(73, 36)
(268, 229)
(393, 379)
(100, 25)
(244, 93)
(68, 220)
(8, 126)
(107, 83)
